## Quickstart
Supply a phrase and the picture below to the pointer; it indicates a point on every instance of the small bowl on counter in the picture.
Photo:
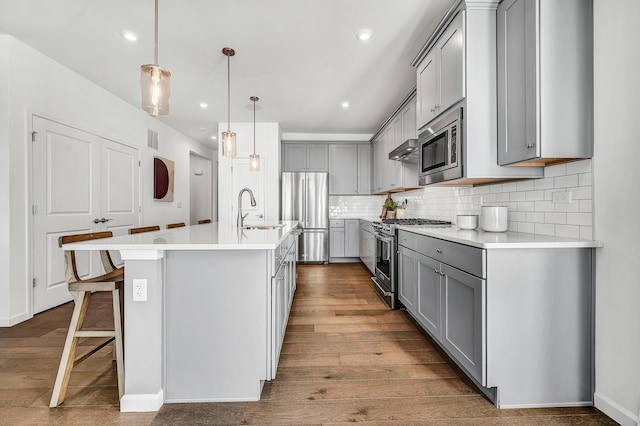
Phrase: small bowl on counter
(467, 221)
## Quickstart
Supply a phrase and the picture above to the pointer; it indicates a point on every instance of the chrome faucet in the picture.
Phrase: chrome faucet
(240, 221)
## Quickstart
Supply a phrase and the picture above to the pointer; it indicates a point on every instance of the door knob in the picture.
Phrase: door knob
(260, 216)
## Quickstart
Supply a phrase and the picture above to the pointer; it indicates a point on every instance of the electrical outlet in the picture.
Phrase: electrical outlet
(139, 290)
(561, 197)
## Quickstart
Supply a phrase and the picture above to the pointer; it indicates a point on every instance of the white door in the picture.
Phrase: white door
(77, 178)
(243, 178)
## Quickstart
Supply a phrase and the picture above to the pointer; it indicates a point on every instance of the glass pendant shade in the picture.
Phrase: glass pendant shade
(254, 163)
(156, 89)
(229, 144)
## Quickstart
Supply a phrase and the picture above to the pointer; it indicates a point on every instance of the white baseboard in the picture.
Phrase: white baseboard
(16, 319)
(615, 410)
(139, 403)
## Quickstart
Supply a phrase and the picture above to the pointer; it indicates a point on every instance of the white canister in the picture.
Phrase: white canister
(493, 218)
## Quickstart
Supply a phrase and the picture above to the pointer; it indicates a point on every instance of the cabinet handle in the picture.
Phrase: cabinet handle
(432, 110)
(441, 273)
(436, 271)
(439, 251)
(530, 145)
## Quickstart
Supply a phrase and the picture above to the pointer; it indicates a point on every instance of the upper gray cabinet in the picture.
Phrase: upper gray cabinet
(349, 169)
(440, 75)
(305, 157)
(545, 81)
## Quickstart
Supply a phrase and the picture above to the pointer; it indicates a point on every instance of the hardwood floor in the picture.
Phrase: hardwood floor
(346, 358)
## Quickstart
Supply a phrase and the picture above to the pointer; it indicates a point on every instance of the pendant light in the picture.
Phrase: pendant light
(229, 137)
(254, 159)
(155, 83)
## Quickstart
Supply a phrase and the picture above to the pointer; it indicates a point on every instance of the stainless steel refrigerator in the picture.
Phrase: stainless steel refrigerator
(305, 198)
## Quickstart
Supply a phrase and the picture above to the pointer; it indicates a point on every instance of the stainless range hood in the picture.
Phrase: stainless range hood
(406, 152)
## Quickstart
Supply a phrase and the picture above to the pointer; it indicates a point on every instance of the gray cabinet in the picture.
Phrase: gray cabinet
(545, 81)
(523, 330)
(440, 74)
(351, 238)
(447, 301)
(366, 246)
(344, 238)
(349, 169)
(305, 157)
(463, 319)
(391, 175)
(364, 169)
(283, 285)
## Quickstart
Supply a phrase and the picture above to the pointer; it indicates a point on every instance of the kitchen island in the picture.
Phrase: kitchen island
(210, 310)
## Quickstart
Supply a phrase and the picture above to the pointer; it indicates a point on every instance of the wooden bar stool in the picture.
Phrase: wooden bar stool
(175, 225)
(81, 290)
(143, 229)
(203, 221)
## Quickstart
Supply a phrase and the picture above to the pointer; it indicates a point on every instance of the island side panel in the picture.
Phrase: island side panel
(540, 326)
(216, 325)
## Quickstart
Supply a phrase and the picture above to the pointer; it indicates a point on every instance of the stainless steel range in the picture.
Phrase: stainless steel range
(386, 277)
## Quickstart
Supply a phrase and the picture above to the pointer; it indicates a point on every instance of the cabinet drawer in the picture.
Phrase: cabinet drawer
(336, 223)
(466, 258)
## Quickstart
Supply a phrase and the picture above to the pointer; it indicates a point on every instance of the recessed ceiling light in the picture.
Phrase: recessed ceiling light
(214, 138)
(129, 35)
(203, 129)
(345, 104)
(204, 105)
(364, 34)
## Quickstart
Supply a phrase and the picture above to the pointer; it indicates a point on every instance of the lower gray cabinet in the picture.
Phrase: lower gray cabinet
(407, 292)
(446, 301)
(463, 326)
(336, 242)
(366, 246)
(428, 298)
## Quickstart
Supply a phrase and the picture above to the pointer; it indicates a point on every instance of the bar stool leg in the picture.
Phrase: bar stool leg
(69, 351)
(117, 323)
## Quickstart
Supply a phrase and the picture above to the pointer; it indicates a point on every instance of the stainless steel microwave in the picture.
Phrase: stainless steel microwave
(440, 149)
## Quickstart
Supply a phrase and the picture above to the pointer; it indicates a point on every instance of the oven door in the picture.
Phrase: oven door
(385, 267)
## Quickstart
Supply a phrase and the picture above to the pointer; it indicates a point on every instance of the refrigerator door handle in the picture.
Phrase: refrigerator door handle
(304, 203)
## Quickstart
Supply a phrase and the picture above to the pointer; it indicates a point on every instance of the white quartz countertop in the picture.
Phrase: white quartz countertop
(500, 240)
(211, 236)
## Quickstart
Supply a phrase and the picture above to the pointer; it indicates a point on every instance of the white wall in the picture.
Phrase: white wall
(268, 137)
(39, 85)
(617, 205)
(5, 161)
(201, 188)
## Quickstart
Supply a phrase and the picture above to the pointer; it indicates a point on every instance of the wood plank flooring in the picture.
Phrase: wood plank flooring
(346, 358)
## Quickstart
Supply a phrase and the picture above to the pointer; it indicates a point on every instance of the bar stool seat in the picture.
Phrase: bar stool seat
(81, 289)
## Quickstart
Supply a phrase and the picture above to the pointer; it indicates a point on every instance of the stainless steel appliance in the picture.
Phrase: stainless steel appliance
(305, 198)
(385, 278)
(440, 149)
(407, 152)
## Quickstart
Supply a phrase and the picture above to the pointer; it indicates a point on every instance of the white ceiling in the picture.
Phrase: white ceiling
(300, 57)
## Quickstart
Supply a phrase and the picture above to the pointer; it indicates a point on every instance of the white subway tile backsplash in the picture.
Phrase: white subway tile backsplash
(555, 170)
(573, 207)
(586, 206)
(566, 181)
(534, 195)
(546, 183)
(585, 179)
(569, 231)
(526, 227)
(545, 229)
(529, 202)
(525, 185)
(586, 232)
(585, 219)
(560, 218)
(577, 167)
(517, 196)
(509, 187)
(544, 206)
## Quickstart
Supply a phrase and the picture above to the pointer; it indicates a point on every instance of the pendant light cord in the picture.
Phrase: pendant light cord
(254, 127)
(228, 94)
(155, 52)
